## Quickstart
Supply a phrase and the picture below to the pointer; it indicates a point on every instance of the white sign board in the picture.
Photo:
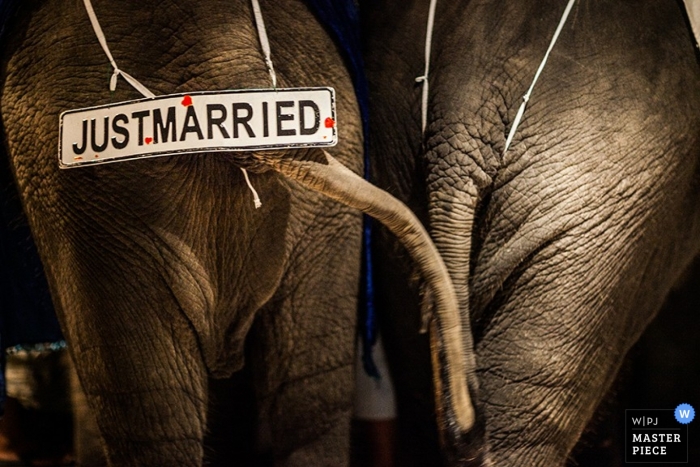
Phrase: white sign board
(240, 120)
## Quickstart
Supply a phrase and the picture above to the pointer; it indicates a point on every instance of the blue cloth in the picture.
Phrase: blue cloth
(342, 20)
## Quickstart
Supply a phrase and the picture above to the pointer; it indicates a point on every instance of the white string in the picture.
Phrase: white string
(147, 93)
(265, 46)
(103, 42)
(264, 42)
(526, 97)
(424, 78)
(256, 198)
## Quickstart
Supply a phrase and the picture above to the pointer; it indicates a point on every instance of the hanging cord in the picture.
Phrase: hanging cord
(140, 87)
(265, 45)
(424, 82)
(424, 78)
(103, 42)
(526, 97)
(256, 198)
(264, 42)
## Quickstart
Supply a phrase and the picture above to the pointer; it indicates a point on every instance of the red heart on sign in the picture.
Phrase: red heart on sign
(187, 101)
(148, 140)
(330, 123)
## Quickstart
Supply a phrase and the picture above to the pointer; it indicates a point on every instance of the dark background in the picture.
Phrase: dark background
(662, 370)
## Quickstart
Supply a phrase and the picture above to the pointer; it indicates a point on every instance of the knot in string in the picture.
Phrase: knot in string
(113, 80)
(264, 41)
(423, 79)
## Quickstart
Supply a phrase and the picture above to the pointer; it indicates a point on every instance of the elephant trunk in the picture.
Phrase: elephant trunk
(341, 184)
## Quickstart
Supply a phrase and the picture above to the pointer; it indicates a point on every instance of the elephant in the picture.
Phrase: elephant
(162, 272)
(561, 247)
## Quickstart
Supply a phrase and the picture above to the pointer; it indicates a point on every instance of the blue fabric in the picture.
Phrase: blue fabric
(341, 18)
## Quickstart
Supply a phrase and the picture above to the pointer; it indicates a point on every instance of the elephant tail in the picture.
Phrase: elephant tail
(338, 182)
(452, 200)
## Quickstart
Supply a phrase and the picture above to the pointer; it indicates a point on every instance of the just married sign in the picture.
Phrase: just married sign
(235, 120)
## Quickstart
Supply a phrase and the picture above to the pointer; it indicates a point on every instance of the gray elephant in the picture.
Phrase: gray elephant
(162, 272)
(561, 248)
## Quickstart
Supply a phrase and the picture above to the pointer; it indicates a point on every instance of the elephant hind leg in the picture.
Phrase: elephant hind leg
(302, 347)
(89, 446)
(304, 386)
(147, 423)
(144, 378)
(144, 421)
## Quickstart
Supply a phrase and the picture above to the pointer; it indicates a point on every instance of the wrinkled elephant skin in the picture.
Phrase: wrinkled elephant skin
(563, 249)
(161, 270)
